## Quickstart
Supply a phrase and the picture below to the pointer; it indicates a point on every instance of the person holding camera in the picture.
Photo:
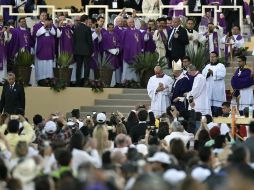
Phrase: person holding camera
(198, 94)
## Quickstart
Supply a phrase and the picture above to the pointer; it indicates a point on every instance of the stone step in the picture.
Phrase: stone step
(129, 96)
(107, 109)
(121, 102)
(134, 91)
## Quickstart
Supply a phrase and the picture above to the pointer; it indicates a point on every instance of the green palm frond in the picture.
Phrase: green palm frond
(64, 59)
(146, 62)
(24, 58)
(199, 58)
(103, 61)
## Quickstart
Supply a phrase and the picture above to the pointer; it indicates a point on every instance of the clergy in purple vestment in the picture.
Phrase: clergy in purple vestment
(118, 30)
(97, 38)
(242, 82)
(3, 63)
(66, 37)
(132, 45)
(111, 47)
(44, 34)
(24, 38)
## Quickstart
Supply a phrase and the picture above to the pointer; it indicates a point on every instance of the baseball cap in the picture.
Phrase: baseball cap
(101, 118)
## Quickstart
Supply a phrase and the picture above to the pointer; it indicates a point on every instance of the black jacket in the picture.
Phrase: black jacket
(13, 99)
(178, 44)
(82, 40)
(137, 132)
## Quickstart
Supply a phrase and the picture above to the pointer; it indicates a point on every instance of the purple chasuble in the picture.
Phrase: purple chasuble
(45, 49)
(24, 39)
(96, 50)
(66, 40)
(132, 44)
(242, 79)
(2, 49)
(111, 41)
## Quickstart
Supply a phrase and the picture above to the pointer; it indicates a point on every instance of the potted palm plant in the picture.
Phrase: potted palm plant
(105, 68)
(22, 66)
(199, 58)
(62, 72)
(144, 64)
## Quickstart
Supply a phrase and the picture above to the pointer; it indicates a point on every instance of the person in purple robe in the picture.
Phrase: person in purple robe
(147, 35)
(242, 83)
(44, 35)
(111, 47)
(65, 37)
(24, 37)
(4, 38)
(118, 30)
(132, 46)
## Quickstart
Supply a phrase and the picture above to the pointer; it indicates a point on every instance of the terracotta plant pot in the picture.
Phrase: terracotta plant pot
(63, 74)
(22, 74)
(106, 76)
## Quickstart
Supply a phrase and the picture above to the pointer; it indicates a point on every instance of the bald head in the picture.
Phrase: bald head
(130, 22)
(158, 71)
(119, 21)
(176, 22)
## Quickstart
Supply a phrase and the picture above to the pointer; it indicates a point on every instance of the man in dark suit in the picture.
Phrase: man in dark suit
(232, 15)
(82, 44)
(138, 132)
(177, 41)
(13, 96)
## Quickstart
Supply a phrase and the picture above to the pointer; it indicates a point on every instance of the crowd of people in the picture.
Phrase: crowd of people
(179, 150)
(87, 38)
(174, 144)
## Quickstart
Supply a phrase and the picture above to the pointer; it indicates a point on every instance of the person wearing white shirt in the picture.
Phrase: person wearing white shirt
(215, 74)
(199, 91)
(178, 133)
(159, 87)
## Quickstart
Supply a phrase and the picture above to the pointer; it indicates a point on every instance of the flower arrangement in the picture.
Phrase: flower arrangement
(57, 85)
(97, 86)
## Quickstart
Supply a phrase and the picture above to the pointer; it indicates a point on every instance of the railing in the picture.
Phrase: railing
(216, 9)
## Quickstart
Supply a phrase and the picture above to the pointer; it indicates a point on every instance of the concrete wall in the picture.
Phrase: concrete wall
(63, 4)
(44, 101)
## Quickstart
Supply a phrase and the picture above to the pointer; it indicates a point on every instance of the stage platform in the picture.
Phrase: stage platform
(43, 100)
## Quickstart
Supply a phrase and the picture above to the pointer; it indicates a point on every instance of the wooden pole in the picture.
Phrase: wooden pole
(233, 124)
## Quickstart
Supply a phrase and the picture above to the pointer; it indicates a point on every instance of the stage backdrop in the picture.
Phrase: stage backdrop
(43, 100)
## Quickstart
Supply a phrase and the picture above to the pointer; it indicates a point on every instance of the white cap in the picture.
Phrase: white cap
(177, 66)
(174, 176)
(161, 157)
(101, 118)
(142, 148)
(200, 174)
(50, 127)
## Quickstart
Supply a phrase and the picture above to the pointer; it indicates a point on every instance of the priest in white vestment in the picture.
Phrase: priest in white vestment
(199, 91)
(159, 87)
(215, 74)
